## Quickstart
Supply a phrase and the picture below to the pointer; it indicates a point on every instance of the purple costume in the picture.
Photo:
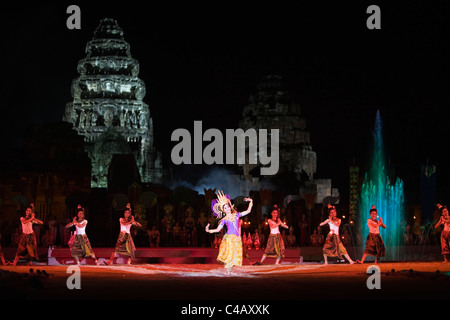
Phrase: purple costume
(232, 225)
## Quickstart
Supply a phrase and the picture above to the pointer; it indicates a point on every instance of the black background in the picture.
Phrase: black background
(202, 62)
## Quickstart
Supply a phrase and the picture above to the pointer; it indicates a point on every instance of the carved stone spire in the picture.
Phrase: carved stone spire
(272, 107)
(108, 108)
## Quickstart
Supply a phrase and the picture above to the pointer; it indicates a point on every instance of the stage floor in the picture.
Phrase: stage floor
(201, 282)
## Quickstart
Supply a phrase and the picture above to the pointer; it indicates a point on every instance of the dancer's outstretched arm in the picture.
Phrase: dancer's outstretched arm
(213, 230)
(284, 225)
(249, 209)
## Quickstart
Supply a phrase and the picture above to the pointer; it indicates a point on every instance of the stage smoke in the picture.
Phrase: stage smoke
(217, 178)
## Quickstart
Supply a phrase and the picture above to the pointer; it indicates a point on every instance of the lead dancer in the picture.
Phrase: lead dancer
(27, 247)
(374, 242)
(445, 234)
(333, 246)
(230, 250)
(81, 247)
(125, 244)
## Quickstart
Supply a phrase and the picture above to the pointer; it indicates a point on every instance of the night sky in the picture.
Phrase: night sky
(199, 61)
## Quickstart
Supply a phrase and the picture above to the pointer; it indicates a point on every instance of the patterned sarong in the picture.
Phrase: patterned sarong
(374, 246)
(125, 245)
(230, 251)
(81, 247)
(333, 246)
(445, 242)
(275, 246)
(27, 247)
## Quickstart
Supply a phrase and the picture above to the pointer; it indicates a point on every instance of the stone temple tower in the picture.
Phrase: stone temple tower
(108, 108)
(272, 107)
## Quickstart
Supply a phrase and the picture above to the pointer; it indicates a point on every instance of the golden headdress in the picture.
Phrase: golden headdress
(217, 204)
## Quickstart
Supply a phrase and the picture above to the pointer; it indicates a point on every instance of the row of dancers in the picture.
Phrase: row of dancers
(80, 246)
(231, 250)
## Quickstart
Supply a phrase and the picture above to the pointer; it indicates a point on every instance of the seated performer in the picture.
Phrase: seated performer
(374, 242)
(230, 250)
(81, 246)
(275, 244)
(445, 234)
(27, 248)
(125, 244)
(333, 246)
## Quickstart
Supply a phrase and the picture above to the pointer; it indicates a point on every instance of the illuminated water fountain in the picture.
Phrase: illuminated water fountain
(388, 198)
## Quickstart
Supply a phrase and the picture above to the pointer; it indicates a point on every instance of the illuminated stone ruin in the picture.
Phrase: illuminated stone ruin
(271, 107)
(108, 107)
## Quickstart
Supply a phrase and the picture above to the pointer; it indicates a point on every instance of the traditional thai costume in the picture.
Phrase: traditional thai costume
(125, 244)
(374, 242)
(333, 246)
(275, 244)
(230, 250)
(445, 234)
(81, 247)
(445, 242)
(27, 246)
(445, 239)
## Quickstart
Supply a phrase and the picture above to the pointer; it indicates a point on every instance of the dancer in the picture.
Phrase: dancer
(27, 248)
(333, 246)
(445, 234)
(81, 247)
(230, 250)
(374, 242)
(275, 244)
(125, 244)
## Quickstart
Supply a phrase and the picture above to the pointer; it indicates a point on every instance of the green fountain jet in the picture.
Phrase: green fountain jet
(388, 198)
